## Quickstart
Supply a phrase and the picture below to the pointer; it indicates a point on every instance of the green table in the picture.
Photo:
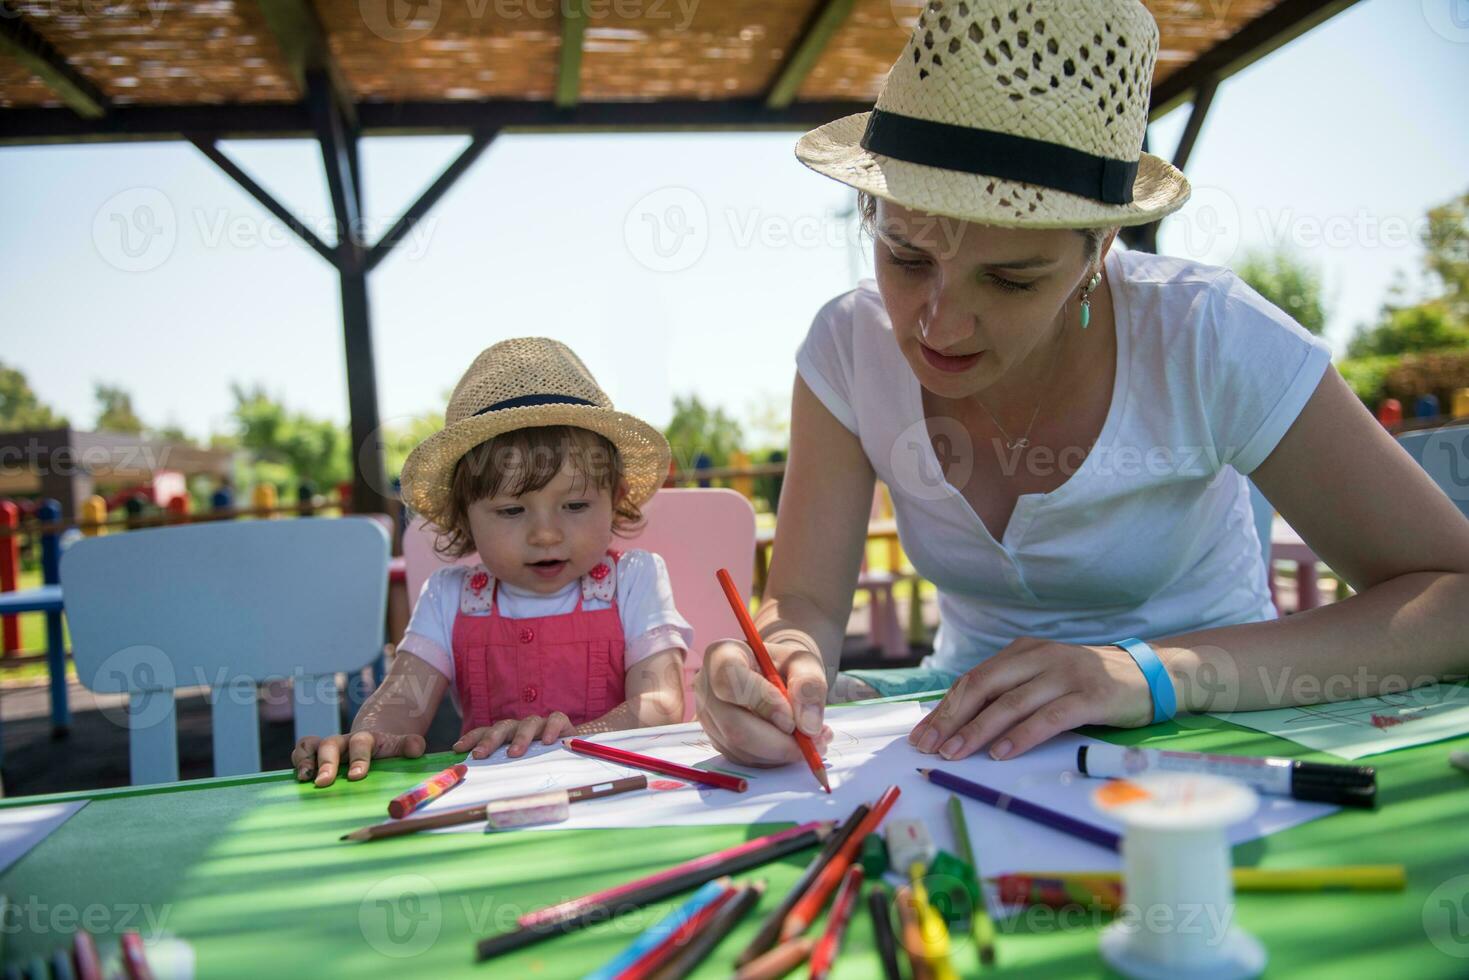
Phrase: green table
(250, 872)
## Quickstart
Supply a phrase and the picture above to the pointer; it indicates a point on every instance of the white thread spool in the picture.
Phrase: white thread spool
(1177, 918)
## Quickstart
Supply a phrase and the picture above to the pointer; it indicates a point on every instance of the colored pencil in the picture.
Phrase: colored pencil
(430, 789)
(767, 667)
(1024, 808)
(804, 912)
(84, 952)
(474, 814)
(134, 958)
(653, 936)
(779, 961)
(61, 965)
(684, 962)
(674, 943)
(981, 926)
(769, 932)
(880, 905)
(639, 761)
(1103, 889)
(931, 928)
(911, 933)
(825, 952)
(607, 896)
(608, 903)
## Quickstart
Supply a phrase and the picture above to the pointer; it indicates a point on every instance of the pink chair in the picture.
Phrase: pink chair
(695, 531)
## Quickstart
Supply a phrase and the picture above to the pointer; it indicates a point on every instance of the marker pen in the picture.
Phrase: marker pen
(1318, 782)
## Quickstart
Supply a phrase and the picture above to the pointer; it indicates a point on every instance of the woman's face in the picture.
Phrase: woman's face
(969, 302)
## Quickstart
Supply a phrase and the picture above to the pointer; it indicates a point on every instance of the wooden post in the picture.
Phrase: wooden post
(49, 513)
(94, 511)
(742, 485)
(10, 570)
(1459, 407)
(263, 498)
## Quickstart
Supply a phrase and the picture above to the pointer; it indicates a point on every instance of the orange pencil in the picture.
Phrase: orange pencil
(767, 667)
(805, 911)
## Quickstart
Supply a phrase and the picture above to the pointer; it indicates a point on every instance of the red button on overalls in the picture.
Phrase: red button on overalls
(526, 635)
(529, 694)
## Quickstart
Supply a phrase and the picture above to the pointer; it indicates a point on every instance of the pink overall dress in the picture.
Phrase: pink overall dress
(516, 668)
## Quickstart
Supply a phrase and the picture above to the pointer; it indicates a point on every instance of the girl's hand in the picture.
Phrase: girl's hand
(1031, 690)
(747, 719)
(319, 758)
(483, 741)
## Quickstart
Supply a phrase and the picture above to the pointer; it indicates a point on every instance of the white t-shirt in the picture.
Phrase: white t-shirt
(1153, 534)
(650, 622)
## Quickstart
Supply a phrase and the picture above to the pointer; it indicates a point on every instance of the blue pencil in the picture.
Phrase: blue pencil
(660, 930)
(1021, 808)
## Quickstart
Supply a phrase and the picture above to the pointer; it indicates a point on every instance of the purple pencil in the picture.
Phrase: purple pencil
(1022, 808)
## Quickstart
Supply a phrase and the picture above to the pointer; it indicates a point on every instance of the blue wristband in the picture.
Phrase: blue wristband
(1160, 685)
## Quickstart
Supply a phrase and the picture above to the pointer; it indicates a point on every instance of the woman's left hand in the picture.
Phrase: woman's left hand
(1031, 690)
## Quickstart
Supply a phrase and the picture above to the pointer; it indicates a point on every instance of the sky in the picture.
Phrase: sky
(673, 264)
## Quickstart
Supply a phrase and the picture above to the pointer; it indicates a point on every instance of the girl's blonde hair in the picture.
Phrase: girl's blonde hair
(525, 460)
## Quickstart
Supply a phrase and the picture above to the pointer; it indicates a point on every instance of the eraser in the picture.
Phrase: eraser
(908, 842)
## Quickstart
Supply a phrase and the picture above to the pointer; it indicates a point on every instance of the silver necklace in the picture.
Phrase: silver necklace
(1024, 441)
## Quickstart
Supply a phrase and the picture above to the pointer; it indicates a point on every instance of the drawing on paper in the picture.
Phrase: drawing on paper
(1384, 711)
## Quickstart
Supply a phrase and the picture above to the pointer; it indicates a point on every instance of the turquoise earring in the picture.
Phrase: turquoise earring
(1086, 300)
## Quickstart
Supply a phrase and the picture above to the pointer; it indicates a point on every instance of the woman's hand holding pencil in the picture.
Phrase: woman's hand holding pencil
(762, 703)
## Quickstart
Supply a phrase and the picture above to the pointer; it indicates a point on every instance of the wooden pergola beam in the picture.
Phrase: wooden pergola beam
(302, 39)
(24, 44)
(568, 71)
(27, 126)
(818, 32)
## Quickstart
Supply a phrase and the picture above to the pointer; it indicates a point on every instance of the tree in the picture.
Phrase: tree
(19, 406)
(1446, 241)
(1406, 329)
(115, 410)
(1289, 283)
(314, 450)
(695, 428)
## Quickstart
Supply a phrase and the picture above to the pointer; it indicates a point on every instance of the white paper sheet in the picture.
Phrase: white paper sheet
(869, 752)
(1367, 726)
(23, 827)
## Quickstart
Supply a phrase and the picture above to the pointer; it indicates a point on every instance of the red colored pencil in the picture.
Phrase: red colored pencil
(767, 667)
(675, 941)
(804, 912)
(134, 960)
(825, 953)
(610, 895)
(88, 963)
(639, 761)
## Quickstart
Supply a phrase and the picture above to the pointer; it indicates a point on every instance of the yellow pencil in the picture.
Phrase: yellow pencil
(981, 926)
(931, 928)
(1352, 877)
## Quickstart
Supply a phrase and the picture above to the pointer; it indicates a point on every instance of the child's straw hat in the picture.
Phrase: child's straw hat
(519, 384)
(1014, 114)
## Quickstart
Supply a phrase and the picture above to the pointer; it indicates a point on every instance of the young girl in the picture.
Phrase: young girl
(553, 633)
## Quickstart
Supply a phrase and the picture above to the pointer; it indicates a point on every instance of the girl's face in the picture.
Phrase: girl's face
(968, 302)
(544, 539)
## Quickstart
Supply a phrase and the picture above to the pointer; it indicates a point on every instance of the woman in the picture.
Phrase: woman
(1066, 427)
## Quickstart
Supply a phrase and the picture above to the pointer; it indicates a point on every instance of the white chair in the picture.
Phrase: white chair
(226, 605)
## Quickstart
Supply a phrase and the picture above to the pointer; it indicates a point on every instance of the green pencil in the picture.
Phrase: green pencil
(980, 923)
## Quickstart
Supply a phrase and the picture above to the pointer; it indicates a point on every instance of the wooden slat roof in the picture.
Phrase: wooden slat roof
(196, 54)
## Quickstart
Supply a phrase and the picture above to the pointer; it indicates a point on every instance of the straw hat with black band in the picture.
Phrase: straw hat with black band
(1012, 114)
(525, 383)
